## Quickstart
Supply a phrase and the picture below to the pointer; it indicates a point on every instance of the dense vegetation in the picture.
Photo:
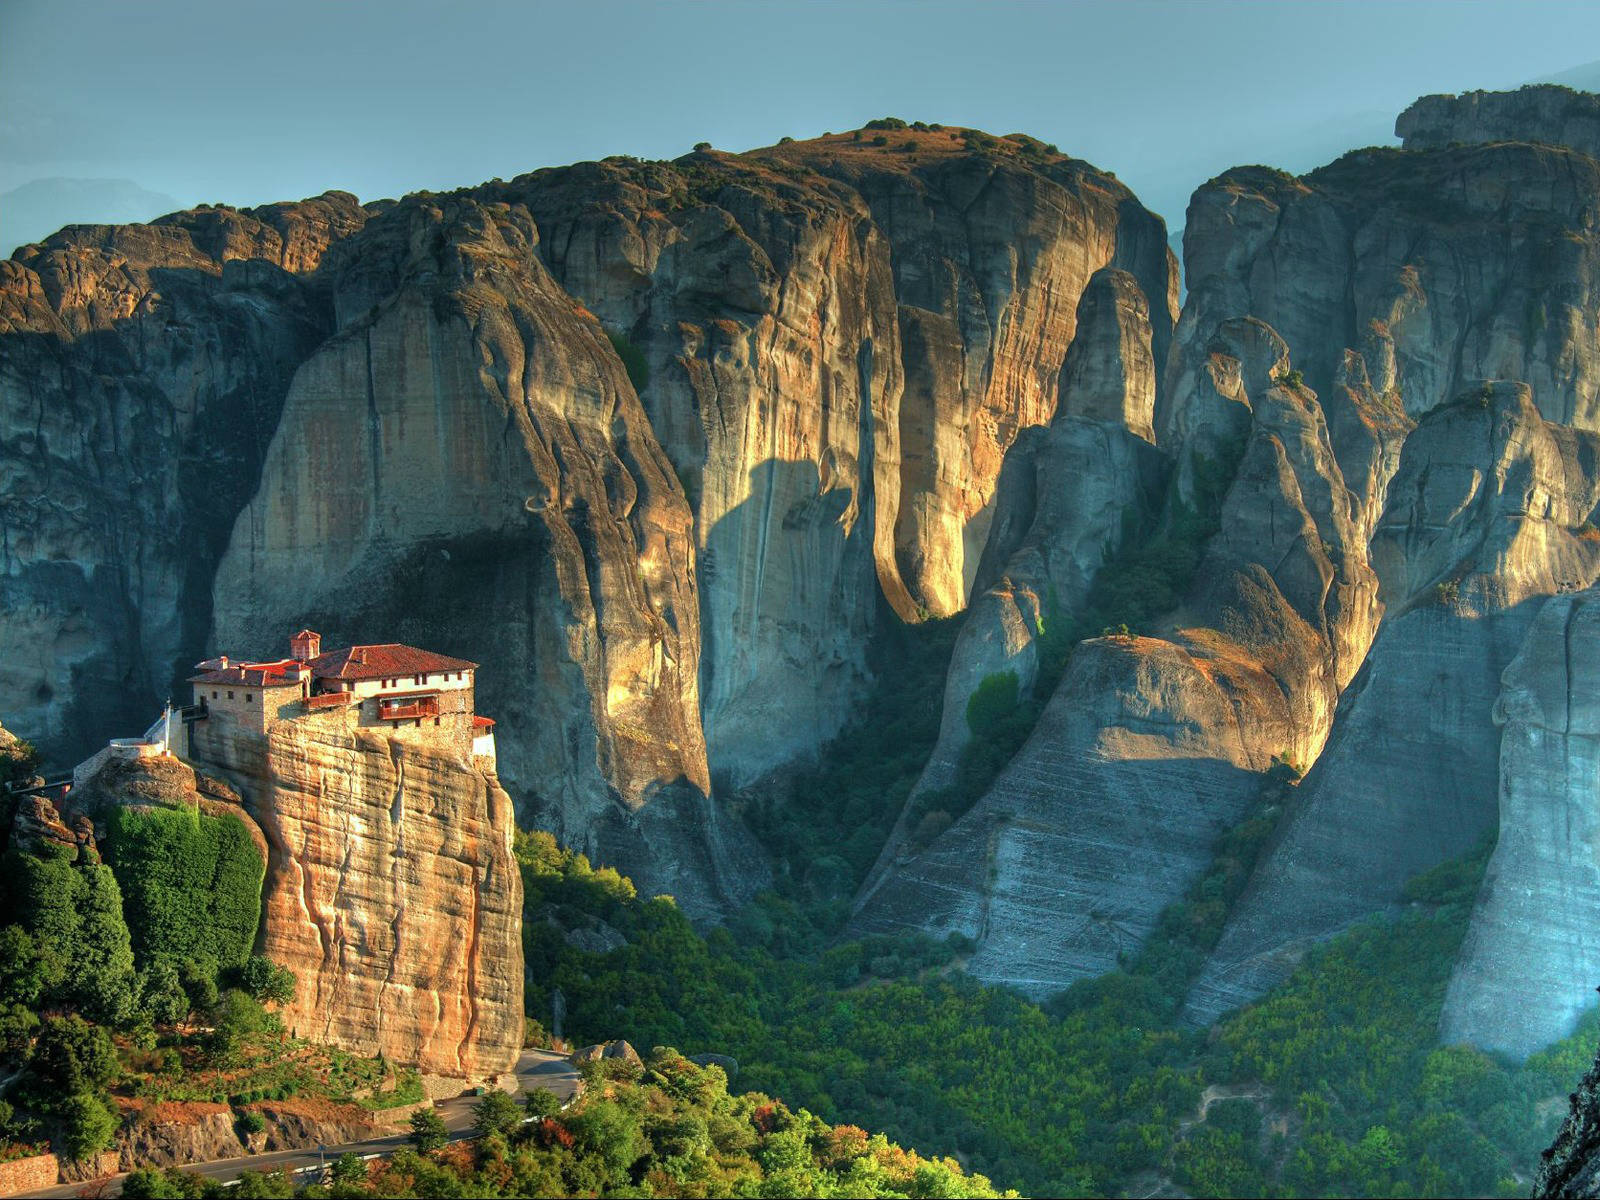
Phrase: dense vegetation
(1333, 1082)
(663, 1127)
(191, 885)
(138, 991)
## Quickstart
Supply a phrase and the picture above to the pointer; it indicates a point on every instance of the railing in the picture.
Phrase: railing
(427, 706)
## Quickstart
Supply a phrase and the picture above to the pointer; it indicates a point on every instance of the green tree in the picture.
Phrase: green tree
(349, 1168)
(171, 1184)
(88, 1126)
(267, 981)
(495, 1112)
(428, 1131)
(162, 993)
(192, 883)
(541, 1102)
(235, 1018)
(70, 1057)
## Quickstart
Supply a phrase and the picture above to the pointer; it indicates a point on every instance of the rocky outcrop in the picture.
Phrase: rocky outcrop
(1082, 839)
(1546, 113)
(177, 1134)
(391, 893)
(842, 342)
(1067, 498)
(465, 464)
(142, 378)
(1526, 970)
(1487, 516)
(1437, 268)
(1570, 1168)
(405, 421)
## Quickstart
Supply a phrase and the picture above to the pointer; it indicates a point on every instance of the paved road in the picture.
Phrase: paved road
(535, 1069)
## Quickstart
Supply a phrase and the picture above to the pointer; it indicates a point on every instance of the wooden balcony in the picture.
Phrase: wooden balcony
(412, 706)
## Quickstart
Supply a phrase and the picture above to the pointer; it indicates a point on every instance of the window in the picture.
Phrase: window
(249, 697)
(213, 695)
(230, 695)
(436, 720)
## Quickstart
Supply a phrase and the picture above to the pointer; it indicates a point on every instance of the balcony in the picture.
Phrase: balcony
(412, 706)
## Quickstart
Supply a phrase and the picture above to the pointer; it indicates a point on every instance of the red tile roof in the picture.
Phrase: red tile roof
(482, 722)
(388, 661)
(285, 673)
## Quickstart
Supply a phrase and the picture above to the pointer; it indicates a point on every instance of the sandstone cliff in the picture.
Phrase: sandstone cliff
(1527, 968)
(842, 342)
(391, 891)
(1084, 837)
(1438, 268)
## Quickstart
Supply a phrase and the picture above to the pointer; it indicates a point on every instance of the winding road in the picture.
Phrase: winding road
(535, 1069)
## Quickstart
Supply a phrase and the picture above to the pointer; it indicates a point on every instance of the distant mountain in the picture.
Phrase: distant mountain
(41, 206)
(1585, 78)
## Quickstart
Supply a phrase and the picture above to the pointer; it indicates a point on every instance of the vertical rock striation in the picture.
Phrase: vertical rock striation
(1084, 835)
(1485, 518)
(143, 372)
(1526, 970)
(465, 464)
(842, 343)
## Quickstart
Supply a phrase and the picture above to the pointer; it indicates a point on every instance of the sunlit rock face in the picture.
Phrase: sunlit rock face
(465, 465)
(1485, 519)
(1439, 268)
(842, 341)
(1532, 952)
(1150, 746)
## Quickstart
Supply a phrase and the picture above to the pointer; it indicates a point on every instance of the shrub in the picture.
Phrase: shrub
(887, 123)
(1290, 379)
(633, 360)
(991, 702)
(250, 1122)
(1448, 592)
(266, 981)
(701, 147)
(88, 1126)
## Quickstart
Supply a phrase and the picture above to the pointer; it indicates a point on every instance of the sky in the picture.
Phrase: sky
(244, 103)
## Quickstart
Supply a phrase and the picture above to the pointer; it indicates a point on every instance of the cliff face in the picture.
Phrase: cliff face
(668, 568)
(1547, 113)
(842, 343)
(391, 892)
(1247, 670)
(1485, 518)
(1525, 974)
(143, 373)
(1438, 268)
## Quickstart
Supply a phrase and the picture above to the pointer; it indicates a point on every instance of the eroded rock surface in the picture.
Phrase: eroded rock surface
(1526, 970)
(1486, 517)
(143, 372)
(1151, 746)
(1548, 113)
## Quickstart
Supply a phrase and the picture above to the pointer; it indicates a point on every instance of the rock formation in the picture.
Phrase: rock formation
(1486, 516)
(1570, 1167)
(842, 343)
(1438, 268)
(403, 421)
(1083, 841)
(1526, 970)
(1558, 116)
(142, 378)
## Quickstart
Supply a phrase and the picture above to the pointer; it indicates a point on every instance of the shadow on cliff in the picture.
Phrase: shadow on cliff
(158, 506)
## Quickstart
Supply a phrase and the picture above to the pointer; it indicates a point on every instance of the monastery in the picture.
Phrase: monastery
(413, 695)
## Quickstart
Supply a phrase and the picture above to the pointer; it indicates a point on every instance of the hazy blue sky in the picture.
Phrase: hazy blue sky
(249, 103)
